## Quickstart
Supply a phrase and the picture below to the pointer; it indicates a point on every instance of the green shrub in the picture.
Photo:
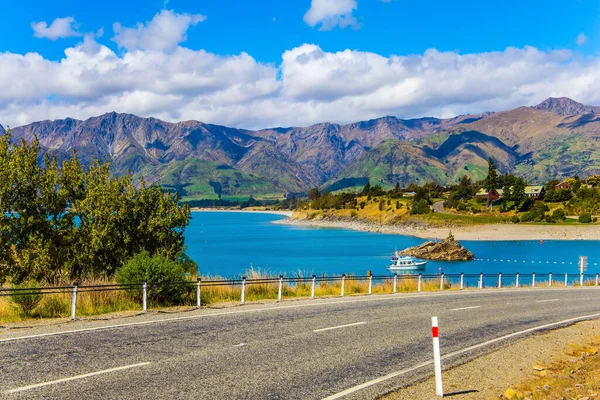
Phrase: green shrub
(515, 219)
(585, 218)
(461, 207)
(155, 269)
(559, 214)
(26, 300)
(549, 219)
(527, 217)
(362, 205)
(420, 207)
(353, 214)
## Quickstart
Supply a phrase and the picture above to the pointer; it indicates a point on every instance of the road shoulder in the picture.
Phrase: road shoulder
(488, 376)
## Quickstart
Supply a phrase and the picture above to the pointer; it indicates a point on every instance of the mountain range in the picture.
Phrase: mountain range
(555, 139)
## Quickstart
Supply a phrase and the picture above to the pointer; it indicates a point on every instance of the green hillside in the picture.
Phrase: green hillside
(199, 179)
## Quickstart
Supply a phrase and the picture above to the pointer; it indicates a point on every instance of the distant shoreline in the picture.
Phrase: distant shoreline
(490, 232)
(284, 213)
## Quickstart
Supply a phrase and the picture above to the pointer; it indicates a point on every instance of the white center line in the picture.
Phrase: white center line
(106, 371)
(339, 327)
(543, 301)
(465, 308)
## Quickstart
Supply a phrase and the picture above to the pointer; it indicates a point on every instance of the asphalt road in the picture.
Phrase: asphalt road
(274, 351)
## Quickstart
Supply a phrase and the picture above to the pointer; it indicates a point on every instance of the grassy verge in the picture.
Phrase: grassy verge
(575, 376)
(103, 302)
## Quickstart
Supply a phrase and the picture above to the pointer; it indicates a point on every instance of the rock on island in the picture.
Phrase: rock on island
(448, 249)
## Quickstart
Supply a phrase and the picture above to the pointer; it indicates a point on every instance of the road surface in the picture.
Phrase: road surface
(308, 349)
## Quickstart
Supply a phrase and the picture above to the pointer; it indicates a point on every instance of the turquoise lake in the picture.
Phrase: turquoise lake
(228, 243)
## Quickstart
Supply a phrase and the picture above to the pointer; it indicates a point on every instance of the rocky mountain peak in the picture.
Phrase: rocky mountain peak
(565, 106)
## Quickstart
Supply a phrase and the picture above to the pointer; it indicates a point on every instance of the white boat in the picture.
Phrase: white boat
(401, 263)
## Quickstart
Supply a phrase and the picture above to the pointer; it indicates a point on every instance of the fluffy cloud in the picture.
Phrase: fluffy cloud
(331, 13)
(59, 28)
(310, 85)
(163, 33)
(581, 39)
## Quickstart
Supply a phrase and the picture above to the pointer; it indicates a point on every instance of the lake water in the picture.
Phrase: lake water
(229, 243)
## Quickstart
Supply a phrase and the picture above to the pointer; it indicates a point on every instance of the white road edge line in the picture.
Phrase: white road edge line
(73, 378)
(465, 308)
(543, 301)
(456, 353)
(216, 314)
(339, 327)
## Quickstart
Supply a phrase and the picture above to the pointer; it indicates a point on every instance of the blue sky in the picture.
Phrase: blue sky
(346, 59)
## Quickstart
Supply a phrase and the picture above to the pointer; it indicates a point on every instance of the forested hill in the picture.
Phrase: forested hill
(556, 138)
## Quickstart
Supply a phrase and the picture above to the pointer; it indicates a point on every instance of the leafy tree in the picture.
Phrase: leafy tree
(366, 189)
(313, 194)
(552, 184)
(420, 207)
(559, 214)
(60, 222)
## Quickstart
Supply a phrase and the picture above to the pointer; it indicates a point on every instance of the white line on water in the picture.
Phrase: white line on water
(456, 353)
(106, 371)
(284, 307)
(543, 301)
(339, 327)
(465, 308)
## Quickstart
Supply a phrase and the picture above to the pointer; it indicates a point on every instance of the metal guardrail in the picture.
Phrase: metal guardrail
(499, 280)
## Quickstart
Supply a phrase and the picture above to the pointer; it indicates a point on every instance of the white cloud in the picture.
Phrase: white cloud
(163, 33)
(310, 85)
(331, 13)
(581, 39)
(59, 28)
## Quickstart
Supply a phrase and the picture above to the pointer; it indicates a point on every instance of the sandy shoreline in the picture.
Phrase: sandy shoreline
(475, 232)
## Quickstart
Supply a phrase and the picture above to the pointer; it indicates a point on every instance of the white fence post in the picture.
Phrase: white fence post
(74, 301)
(462, 280)
(442, 281)
(550, 279)
(198, 294)
(481, 280)
(580, 279)
(243, 290)
(419, 283)
(145, 296)
(437, 361)
(533, 280)
(343, 283)
(596, 279)
(499, 280)
(370, 283)
(280, 288)
(517, 281)
(312, 291)
(395, 282)
(566, 279)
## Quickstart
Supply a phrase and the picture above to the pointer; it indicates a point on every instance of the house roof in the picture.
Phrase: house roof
(534, 189)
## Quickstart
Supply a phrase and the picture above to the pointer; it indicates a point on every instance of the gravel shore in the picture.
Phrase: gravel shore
(473, 232)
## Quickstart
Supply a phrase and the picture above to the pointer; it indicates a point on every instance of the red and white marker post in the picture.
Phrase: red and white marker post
(437, 361)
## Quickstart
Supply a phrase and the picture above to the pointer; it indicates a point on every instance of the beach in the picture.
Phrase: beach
(500, 232)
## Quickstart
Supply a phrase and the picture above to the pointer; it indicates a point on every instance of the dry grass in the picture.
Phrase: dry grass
(575, 376)
(101, 302)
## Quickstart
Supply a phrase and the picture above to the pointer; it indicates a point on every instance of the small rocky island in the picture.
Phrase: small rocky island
(448, 249)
